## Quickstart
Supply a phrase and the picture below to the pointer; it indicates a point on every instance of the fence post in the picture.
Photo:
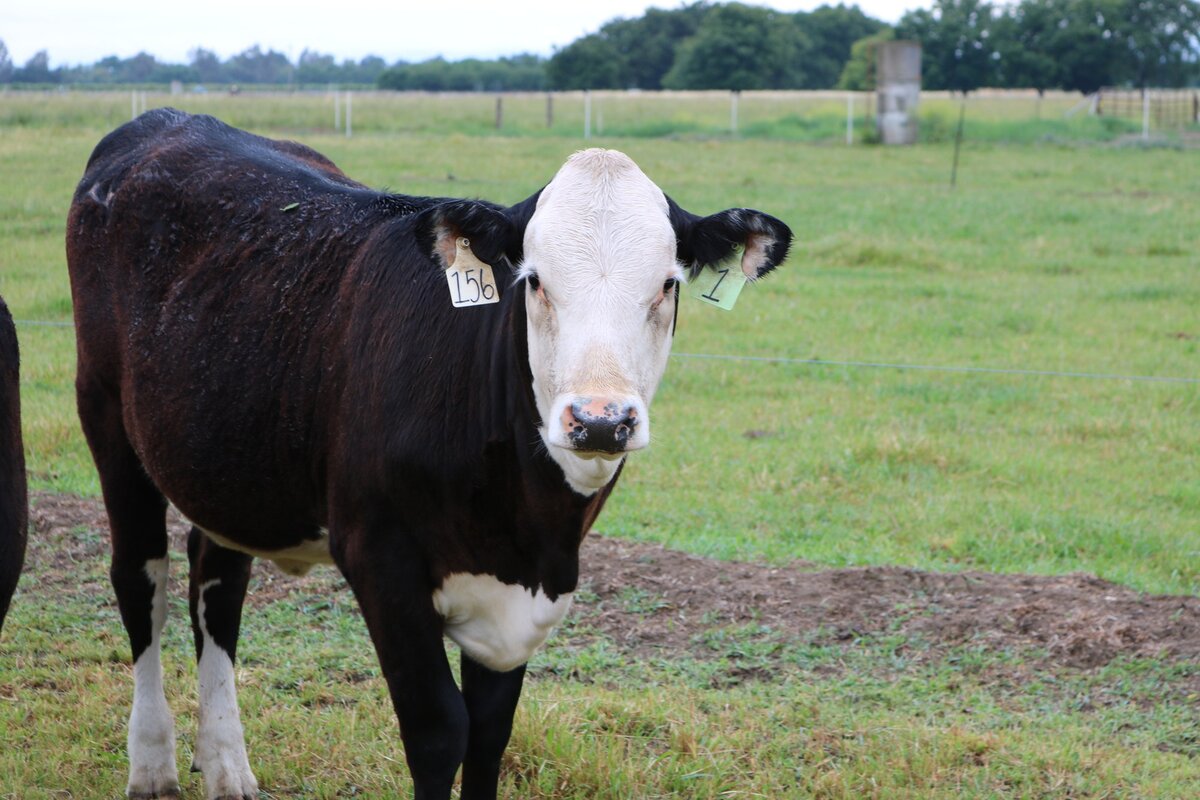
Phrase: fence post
(849, 117)
(1145, 114)
(133, 104)
(587, 113)
(549, 110)
(337, 110)
(349, 115)
(733, 111)
(499, 111)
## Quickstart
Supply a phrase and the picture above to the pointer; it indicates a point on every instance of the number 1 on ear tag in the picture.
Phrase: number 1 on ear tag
(721, 283)
(471, 281)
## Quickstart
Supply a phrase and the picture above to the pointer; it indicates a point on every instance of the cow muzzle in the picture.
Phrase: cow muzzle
(601, 425)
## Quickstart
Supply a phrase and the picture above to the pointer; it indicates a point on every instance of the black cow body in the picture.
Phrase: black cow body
(270, 347)
(14, 510)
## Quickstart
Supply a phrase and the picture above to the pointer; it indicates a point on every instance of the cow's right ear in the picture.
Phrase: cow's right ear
(704, 241)
(484, 225)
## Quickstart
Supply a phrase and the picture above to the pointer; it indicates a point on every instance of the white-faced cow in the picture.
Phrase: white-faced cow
(14, 511)
(273, 348)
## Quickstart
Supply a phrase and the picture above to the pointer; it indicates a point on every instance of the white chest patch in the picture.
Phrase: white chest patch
(500, 625)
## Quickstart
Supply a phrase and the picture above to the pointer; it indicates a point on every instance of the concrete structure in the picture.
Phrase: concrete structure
(898, 82)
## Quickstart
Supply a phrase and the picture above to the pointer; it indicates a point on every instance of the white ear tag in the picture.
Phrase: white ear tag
(721, 283)
(471, 281)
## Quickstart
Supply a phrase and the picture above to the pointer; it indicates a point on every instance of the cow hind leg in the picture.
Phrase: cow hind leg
(137, 518)
(218, 580)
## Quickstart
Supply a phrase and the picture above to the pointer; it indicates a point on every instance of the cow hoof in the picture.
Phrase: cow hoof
(147, 786)
(165, 793)
(230, 783)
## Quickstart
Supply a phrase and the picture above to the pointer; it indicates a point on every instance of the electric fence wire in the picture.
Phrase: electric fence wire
(822, 362)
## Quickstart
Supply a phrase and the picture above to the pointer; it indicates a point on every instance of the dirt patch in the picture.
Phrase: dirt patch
(656, 602)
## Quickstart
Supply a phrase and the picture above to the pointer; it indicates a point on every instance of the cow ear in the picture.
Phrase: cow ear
(518, 217)
(484, 225)
(703, 241)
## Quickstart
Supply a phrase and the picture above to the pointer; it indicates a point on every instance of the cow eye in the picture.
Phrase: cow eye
(533, 282)
(669, 285)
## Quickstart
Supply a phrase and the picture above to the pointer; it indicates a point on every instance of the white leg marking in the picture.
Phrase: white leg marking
(151, 743)
(220, 743)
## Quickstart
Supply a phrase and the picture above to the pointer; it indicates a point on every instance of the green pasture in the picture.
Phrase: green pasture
(1054, 257)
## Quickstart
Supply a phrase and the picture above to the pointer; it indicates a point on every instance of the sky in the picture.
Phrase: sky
(84, 31)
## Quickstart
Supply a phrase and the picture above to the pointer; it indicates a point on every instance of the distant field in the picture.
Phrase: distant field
(1072, 258)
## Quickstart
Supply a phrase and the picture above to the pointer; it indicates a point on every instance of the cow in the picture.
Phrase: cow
(14, 508)
(276, 350)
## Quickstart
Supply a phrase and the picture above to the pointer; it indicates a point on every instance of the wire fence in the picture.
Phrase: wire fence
(814, 116)
(820, 362)
(1162, 108)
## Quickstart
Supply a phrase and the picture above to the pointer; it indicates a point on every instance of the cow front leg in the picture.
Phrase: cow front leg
(491, 699)
(218, 581)
(392, 585)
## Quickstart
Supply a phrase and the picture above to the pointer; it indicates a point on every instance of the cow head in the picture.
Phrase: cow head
(603, 255)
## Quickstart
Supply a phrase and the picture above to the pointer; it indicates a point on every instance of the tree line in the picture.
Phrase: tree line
(966, 44)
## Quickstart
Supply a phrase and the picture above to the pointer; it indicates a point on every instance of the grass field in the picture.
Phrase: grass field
(1077, 258)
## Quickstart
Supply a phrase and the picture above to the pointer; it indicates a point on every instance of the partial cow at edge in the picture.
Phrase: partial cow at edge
(14, 508)
(273, 348)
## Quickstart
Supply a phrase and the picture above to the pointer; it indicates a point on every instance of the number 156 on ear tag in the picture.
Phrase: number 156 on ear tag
(471, 281)
(720, 284)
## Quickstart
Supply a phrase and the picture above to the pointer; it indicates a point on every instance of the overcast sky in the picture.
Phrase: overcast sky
(84, 31)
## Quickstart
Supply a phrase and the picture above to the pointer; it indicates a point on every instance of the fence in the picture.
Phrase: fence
(1165, 108)
(820, 116)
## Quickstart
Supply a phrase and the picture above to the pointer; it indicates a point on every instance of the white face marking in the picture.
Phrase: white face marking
(220, 745)
(296, 560)
(499, 625)
(151, 740)
(601, 245)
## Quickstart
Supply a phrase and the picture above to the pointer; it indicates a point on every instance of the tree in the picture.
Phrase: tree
(6, 64)
(1023, 39)
(740, 47)
(314, 67)
(207, 65)
(859, 73)
(956, 47)
(591, 62)
(832, 30)
(1160, 38)
(37, 70)
(254, 66)
(646, 46)
(139, 69)
(368, 69)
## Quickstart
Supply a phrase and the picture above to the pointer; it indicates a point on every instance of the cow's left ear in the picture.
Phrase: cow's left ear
(484, 225)
(702, 241)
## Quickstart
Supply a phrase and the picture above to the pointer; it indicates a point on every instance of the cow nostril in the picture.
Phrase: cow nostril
(599, 425)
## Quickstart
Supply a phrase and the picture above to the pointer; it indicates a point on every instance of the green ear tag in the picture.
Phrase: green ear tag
(720, 284)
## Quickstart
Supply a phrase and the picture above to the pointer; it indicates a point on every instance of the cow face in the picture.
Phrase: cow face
(604, 254)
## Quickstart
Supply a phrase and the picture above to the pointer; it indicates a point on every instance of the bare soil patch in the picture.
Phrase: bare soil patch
(655, 602)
